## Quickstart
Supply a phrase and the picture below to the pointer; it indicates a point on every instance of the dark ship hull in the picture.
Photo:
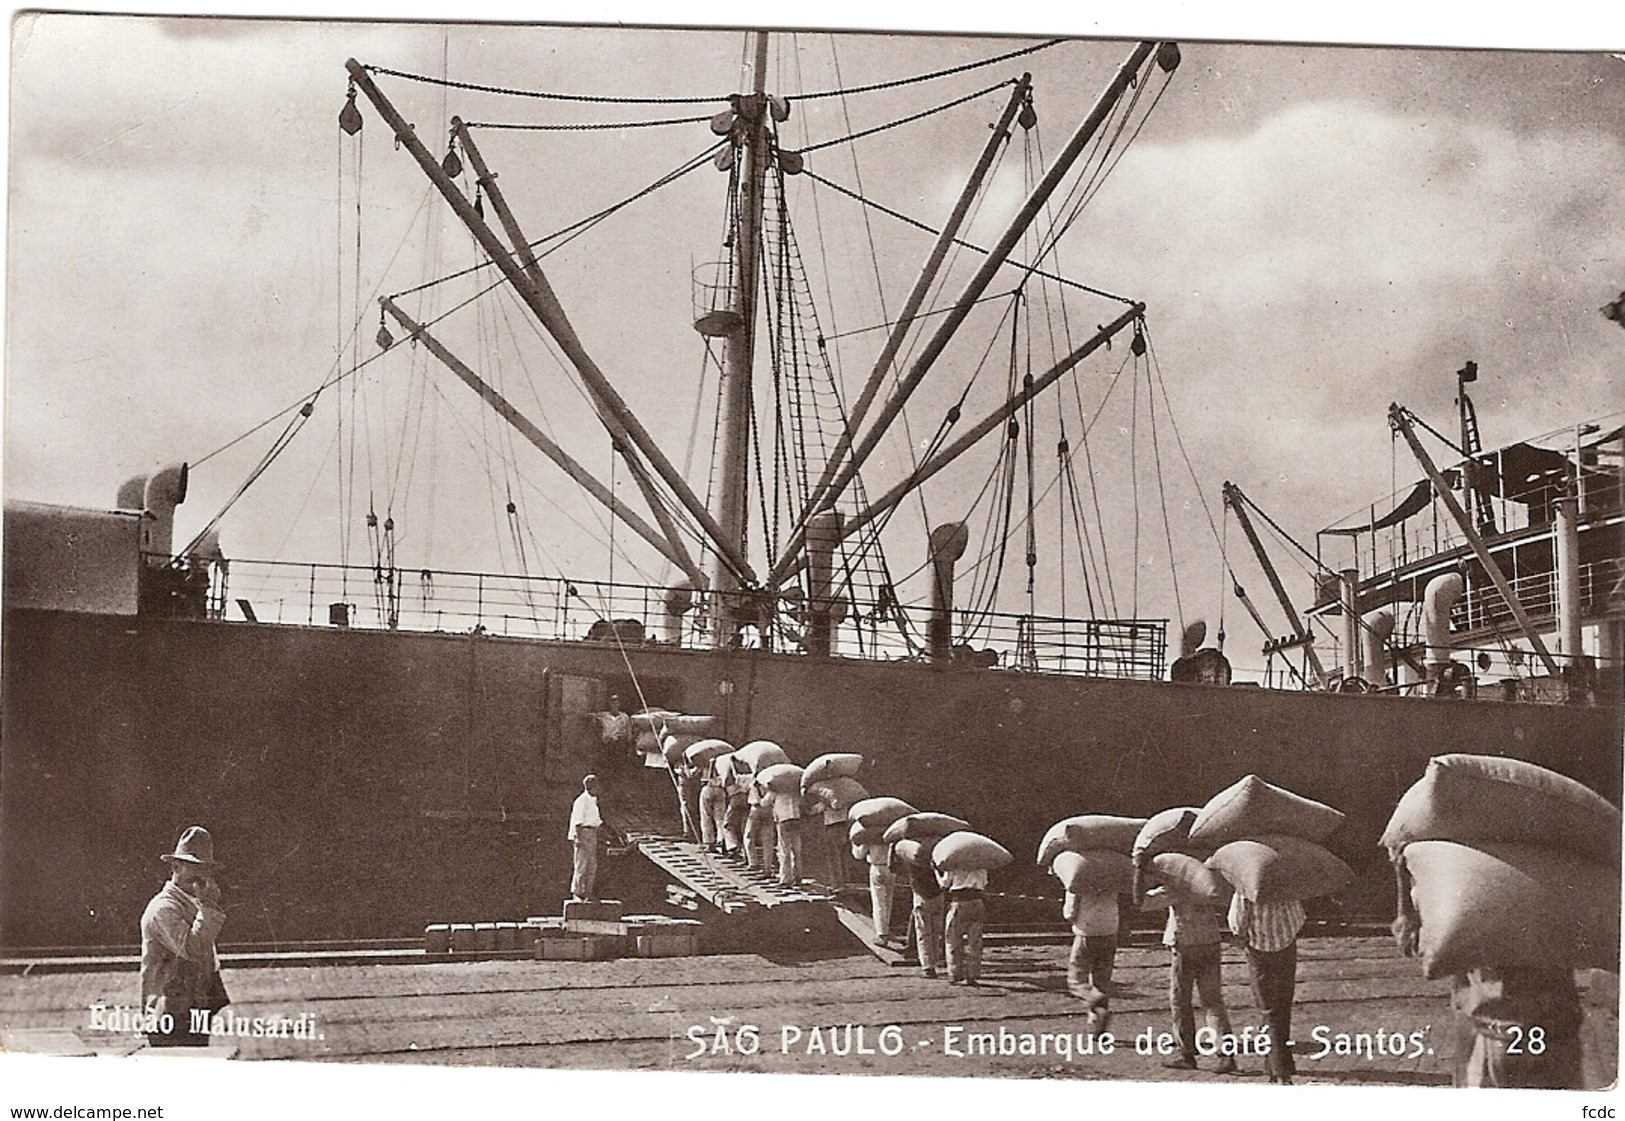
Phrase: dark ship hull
(360, 784)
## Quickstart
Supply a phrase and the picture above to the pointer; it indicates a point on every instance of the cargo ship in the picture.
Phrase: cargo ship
(379, 745)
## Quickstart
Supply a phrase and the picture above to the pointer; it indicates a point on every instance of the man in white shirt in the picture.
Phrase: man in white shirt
(966, 913)
(787, 825)
(585, 821)
(882, 887)
(1095, 917)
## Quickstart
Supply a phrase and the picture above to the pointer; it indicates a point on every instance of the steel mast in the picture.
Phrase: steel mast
(728, 606)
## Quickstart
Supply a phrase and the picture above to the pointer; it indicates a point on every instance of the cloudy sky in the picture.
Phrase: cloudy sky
(1317, 231)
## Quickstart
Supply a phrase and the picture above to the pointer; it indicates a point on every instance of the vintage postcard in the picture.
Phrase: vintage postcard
(985, 560)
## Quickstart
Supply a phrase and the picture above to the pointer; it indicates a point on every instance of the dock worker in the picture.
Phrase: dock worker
(1498, 1012)
(180, 969)
(688, 798)
(929, 917)
(882, 887)
(713, 808)
(967, 912)
(822, 846)
(585, 822)
(1095, 917)
(759, 829)
(731, 825)
(1194, 935)
(786, 805)
(1269, 931)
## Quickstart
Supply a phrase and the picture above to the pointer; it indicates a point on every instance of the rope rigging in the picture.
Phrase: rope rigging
(808, 408)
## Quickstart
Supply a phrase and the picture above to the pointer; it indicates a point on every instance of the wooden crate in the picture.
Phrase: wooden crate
(673, 944)
(571, 947)
(599, 910)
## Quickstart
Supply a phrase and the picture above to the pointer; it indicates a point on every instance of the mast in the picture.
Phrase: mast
(739, 352)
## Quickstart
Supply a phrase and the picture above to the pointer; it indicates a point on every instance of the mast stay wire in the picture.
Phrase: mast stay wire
(1162, 497)
(597, 99)
(306, 404)
(1026, 267)
(1084, 193)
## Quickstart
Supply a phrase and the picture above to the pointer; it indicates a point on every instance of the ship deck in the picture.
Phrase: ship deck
(831, 1014)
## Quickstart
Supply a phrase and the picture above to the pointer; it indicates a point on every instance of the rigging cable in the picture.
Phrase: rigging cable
(1162, 496)
(900, 121)
(597, 99)
(874, 261)
(858, 196)
(566, 234)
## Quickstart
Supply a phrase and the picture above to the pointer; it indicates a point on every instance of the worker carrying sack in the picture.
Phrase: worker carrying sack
(969, 852)
(918, 825)
(759, 754)
(836, 793)
(834, 765)
(1506, 905)
(1477, 799)
(1189, 880)
(879, 812)
(1276, 868)
(781, 778)
(1166, 831)
(1253, 807)
(1094, 872)
(1089, 831)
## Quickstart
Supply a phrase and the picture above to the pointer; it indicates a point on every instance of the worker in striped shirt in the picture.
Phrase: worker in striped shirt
(1269, 932)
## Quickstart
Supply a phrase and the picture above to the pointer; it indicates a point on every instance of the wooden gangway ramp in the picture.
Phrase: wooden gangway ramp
(743, 907)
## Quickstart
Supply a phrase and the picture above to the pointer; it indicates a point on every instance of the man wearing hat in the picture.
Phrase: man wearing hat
(179, 967)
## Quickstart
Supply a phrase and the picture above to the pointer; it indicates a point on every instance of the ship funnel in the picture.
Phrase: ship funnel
(165, 490)
(678, 601)
(1376, 627)
(948, 544)
(1441, 595)
(823, 535)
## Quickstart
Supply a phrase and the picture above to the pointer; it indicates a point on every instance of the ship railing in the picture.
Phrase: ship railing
(1119, 648)
(1433, 531)
(1483, 607)
(560, 609)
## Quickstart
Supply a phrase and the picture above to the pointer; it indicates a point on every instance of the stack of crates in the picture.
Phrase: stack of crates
(588, 931)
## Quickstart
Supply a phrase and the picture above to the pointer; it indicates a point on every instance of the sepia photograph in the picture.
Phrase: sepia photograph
(651, 557)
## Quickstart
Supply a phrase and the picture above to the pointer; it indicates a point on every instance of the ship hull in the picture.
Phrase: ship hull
(360, 784)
